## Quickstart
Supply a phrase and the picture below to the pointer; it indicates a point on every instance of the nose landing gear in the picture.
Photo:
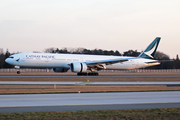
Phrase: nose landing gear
(18, 72)
(18, 69)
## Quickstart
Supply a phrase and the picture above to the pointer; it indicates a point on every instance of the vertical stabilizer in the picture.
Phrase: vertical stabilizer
(150, 51)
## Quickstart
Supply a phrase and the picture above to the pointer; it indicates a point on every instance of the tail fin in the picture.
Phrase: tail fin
(150, 51)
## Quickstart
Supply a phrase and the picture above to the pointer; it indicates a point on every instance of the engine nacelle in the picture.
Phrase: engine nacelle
(78, 67)
(61, 70)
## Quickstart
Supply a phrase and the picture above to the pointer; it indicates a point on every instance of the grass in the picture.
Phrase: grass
(11, 89)
(139, 114)
(24, 89)
(93, 79)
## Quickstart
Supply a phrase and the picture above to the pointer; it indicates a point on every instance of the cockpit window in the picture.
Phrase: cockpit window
(11, 57)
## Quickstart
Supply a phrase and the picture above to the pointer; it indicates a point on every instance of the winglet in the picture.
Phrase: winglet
(150, 51)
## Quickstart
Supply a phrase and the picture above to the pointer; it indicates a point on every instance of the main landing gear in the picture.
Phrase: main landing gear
(89, 74)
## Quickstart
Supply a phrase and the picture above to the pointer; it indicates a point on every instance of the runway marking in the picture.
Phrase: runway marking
(85, 83)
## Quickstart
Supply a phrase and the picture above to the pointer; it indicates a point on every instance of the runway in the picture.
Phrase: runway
(19, 76)
(88, 101)
(86, 83)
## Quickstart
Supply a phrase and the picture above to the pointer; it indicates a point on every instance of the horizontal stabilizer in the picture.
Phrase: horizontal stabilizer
(160, 61)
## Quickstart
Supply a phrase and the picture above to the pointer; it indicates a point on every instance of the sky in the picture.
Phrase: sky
(35, 25)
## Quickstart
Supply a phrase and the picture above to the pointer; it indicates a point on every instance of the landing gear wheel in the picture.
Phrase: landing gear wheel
(93, 74)
(18, 72)
(82, 74)
(89, 74)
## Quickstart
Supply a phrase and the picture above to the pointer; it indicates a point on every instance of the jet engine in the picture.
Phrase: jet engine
(61, 70)
(78, 67)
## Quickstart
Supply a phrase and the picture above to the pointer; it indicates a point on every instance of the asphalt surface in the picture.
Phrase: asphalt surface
(87, 107)
(88, 101)
(10, 76)
(86, 83)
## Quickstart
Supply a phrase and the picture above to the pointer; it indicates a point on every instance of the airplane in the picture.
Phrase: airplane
(81, 64)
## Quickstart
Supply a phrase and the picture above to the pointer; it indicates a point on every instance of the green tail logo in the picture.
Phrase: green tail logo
(150, 51)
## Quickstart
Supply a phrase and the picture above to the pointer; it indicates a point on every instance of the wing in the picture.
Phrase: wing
(108, 62)
(101, 64)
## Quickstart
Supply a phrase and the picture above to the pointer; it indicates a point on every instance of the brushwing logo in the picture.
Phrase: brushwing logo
(150, 52)
(18, 60)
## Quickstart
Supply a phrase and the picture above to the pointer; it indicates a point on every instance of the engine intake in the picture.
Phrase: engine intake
(78, 67)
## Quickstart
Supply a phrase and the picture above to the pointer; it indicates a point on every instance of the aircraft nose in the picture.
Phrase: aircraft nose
(7, 60)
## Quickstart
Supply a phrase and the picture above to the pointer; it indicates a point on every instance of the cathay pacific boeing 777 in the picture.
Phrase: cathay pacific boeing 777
(80, 64)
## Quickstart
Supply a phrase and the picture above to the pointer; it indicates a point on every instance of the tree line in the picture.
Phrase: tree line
(175, 64)
(3, 56)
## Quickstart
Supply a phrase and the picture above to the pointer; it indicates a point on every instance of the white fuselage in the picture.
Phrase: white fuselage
(50, 60)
